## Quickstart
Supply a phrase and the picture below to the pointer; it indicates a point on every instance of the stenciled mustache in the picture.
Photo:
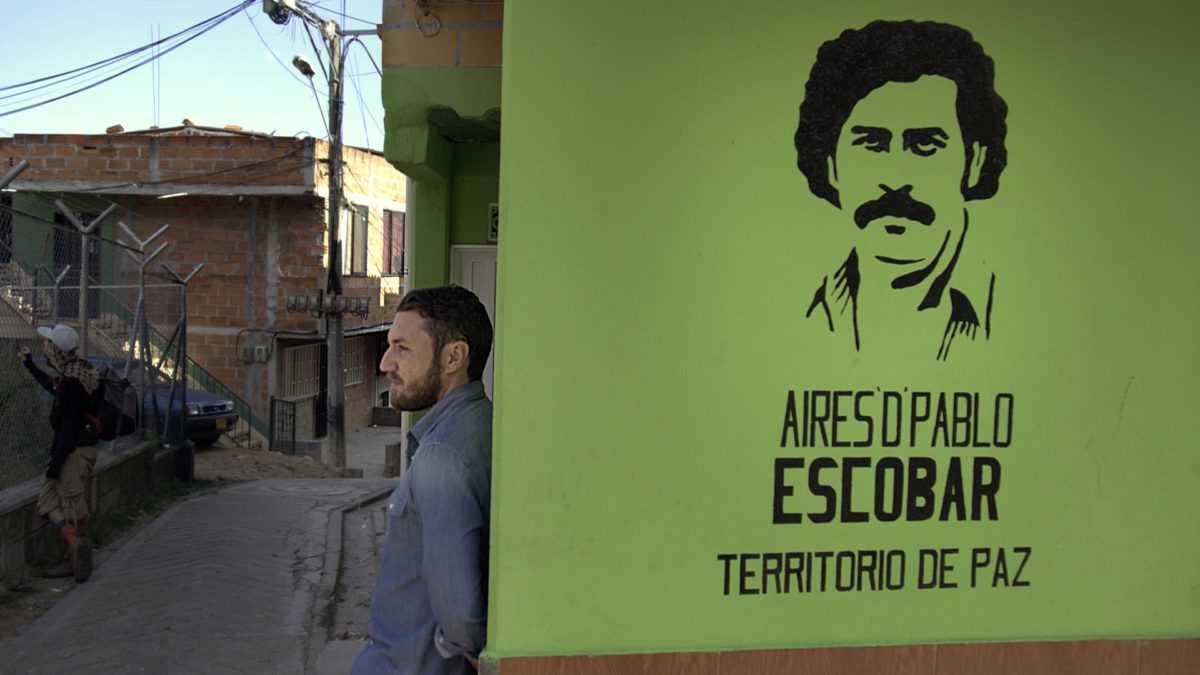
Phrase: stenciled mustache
(896, 203)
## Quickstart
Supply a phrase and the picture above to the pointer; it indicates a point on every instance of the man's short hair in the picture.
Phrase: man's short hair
(453, 313)
(860, 61)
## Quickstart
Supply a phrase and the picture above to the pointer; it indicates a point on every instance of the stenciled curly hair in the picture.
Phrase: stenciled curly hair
(859, 61)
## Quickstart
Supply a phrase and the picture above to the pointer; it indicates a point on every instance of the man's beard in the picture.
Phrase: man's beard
(421, 394)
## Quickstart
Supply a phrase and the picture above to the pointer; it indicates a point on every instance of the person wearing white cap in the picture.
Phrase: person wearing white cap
(65, 489)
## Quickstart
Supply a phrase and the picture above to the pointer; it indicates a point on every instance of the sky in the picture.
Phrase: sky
(226, 76)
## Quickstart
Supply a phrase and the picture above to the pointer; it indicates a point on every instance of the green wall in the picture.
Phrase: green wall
(429, 213)
(448, 180)
(476, 184)
(661, 250)
(445, 213)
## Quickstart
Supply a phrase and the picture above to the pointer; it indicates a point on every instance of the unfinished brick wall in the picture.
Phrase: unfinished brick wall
(360, 398)
(257, 251)
(470, 35)
(114, 159)
(367, 173)
(257, 248)
(371, 181)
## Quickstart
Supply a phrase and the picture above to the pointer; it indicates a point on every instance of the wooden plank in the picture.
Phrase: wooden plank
(915, 660)
(1169, 657)
(1096, 657)
(1099, 657)
(639, 664)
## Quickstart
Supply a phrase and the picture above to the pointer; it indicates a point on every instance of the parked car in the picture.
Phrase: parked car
(207, 417)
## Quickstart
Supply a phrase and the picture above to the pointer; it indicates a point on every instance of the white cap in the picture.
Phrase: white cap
(63, 337)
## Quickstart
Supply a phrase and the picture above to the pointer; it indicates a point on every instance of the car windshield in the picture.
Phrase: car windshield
(116, 368)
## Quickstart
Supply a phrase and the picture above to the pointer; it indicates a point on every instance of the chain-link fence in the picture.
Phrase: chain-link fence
(68, 258)
(24, 405)
(51, 272)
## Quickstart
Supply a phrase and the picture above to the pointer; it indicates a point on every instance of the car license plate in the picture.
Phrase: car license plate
(221, 424)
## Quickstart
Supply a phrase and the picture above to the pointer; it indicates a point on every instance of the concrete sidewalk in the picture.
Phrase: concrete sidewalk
(234, 581)
(366, 448)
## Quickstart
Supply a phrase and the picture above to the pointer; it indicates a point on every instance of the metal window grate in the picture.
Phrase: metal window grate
(353, 229)
(301, 371)
(393, 242)
(355, 356)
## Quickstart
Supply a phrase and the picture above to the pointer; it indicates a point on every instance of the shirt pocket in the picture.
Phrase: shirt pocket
(399, 503)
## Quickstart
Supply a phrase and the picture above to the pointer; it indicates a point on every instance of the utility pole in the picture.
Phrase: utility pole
(334, 338)
(330, 305)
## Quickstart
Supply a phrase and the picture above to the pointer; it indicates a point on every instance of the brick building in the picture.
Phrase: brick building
(253, 209)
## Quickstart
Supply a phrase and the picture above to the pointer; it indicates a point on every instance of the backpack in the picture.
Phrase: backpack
(111, 414)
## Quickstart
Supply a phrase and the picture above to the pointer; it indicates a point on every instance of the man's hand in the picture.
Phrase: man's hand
(474, 662)
(24, 354)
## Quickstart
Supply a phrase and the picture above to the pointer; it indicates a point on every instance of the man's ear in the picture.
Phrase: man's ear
(456, 356)
(975, 169)
(831, 171)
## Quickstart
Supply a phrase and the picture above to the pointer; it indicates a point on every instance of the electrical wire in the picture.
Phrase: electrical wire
(317, 98)
(290, 71)
(125, 54)
(342, 12)
(370, 56)
(208, 174)
(71, 198)
(316, 51)
(225, 16)
(362, 109)
(60, 226)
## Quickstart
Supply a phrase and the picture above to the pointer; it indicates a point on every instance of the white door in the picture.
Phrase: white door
(474, 267)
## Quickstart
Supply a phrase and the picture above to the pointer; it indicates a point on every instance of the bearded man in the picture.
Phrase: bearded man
(429, 609)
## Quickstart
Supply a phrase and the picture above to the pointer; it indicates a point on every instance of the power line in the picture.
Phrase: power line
(290, 71)
(316, 51)
(342, 12)
(122, 55)
(72, 199)
(222, 18)
(363, 110)
(209, 174)
(317, 98)
(368, 51)
(59, 226)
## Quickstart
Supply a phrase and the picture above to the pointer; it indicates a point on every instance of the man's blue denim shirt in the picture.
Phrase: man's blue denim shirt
(429, 609)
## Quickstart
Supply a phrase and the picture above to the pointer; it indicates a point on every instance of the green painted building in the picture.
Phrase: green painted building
(819, 327)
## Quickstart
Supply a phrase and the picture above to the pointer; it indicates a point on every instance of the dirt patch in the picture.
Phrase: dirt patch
(21, 606)
(237, 464)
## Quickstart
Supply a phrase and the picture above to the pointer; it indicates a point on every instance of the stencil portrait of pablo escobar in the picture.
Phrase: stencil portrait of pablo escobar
(900, 130)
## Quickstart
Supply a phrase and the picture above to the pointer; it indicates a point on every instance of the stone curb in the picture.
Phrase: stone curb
(324, 604)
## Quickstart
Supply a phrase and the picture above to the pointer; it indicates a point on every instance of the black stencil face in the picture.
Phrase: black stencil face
(900, 129)
(897, 169)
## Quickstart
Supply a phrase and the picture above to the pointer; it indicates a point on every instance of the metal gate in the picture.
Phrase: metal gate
(283, 425)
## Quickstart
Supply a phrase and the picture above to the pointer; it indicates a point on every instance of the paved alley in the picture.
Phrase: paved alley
(239, 580)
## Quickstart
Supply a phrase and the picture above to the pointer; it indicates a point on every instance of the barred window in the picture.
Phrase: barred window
(393, 243)
(356, 358)
(301, 371)
(354, 240)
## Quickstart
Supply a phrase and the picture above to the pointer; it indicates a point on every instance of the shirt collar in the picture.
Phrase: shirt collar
(471, 391)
